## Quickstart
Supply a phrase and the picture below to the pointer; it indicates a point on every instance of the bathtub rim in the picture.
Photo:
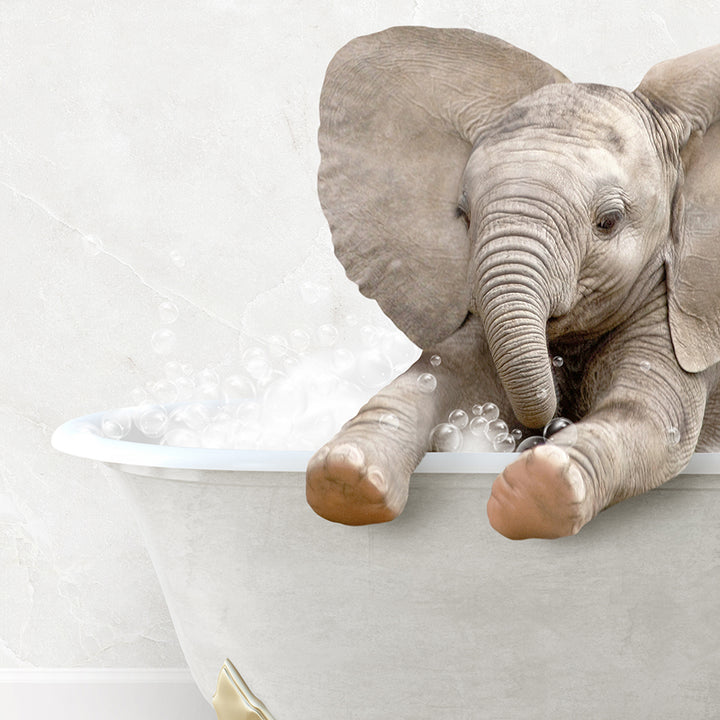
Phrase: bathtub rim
(73, 437)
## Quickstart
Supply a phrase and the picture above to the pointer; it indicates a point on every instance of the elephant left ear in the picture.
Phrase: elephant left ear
(685, 92)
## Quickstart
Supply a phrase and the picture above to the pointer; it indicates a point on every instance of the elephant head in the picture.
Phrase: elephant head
(461, 175)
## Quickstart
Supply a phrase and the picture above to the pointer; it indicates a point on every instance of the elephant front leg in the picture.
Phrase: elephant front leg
(543, 494)
(362, 475)
(643, 422)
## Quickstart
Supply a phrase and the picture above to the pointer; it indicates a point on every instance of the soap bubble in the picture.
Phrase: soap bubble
(488, 411)
(569, 436)
(313, 431)
(209, 392)
(445, 438)
(271, 377)
(116, 424)
(139, 395)
(517, 434)
(168, 312)
(248, 413)
(399, 349)
(277, 346)
(246, 437)
(218, 434)
(185, 388)
(541, 393)
(177, 259)
(343, 361)
(164, 392)
(195, 416)
(347, 401)
(530, 442)
(152, 421)
(181, 437)
(426, 383)
(89, 428)
(495, 428)
(237, 387)
(222, 413)
(673, 435)
(557, 361)
(163, 341)
(374, 368)
(299, 340)
(285, 398)
(645, 365)
(173, 370)
(369, 336)
(389, 422)
(275, 433)
(324, 425)
(256, 364)
(289, 362)
(477, 426)
(555, 425)
(351, 320)
(458, 418)
(93, 245)
(327, 335)
(324, 383)
(435, 360)
(401, 352)
(207, 375)
(504, 443)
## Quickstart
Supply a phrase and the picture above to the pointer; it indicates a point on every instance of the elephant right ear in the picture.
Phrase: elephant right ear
(686, 94)
(399, 113)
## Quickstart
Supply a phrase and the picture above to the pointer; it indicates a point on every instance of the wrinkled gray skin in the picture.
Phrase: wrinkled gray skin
(502, 215)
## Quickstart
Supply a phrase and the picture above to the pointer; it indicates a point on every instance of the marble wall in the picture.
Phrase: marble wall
(167, 151)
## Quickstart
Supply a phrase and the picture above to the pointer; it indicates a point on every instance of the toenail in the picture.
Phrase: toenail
(350, 453)
(575, 479)
(378, 480)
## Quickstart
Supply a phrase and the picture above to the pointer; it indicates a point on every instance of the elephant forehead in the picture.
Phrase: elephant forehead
(589, 115)
(535, 162)
(558, 139)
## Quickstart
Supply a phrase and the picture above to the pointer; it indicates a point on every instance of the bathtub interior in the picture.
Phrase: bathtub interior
(433, 613)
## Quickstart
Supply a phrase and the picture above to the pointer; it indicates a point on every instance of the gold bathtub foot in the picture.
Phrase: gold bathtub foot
(233, 699)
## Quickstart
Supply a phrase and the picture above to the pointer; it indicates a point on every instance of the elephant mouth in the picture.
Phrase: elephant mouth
(559, 326)
(567, 328)
(582, 323)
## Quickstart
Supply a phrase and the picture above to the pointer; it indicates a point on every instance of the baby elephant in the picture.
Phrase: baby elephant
(502, 215)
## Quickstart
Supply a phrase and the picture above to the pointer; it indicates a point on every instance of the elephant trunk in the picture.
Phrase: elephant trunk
(514, 301)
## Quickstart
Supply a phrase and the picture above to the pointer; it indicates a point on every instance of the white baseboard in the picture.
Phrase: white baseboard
(107, 693)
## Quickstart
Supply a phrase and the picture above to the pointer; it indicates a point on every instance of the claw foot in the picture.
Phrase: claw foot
(540, 495)
(343, 487)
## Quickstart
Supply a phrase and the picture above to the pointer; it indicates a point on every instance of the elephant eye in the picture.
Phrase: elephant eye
(459, 212)
(462, 210)
(608, 221)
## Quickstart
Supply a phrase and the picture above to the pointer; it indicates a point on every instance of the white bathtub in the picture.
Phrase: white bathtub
(433, 615)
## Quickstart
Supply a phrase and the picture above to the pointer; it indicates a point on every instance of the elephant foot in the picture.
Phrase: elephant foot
(342, 486)
(540, 495)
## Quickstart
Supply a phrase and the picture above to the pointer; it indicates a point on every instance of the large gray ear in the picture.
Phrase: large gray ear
(686, 94)
(399, 112)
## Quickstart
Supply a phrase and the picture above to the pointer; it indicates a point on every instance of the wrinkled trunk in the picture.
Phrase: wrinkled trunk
(512, 298)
